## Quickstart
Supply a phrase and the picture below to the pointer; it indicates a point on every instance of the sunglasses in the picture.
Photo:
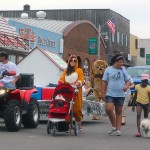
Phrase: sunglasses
(72, 60)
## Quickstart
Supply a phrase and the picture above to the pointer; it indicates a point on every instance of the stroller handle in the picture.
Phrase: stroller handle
(75, 88)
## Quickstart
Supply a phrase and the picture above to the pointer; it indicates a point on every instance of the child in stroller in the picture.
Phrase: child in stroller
(60, 117)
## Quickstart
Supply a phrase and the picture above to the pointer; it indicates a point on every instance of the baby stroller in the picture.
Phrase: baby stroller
(60, 117)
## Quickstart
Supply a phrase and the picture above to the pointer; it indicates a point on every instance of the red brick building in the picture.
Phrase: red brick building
(76, 37)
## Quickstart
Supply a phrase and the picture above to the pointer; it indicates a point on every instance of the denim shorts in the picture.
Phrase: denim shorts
(144, 106)
(9, 85)
(115, 100)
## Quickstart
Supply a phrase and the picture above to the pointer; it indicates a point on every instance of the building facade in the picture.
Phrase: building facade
(63, 38)
(118, 42)
(143, 57)
(134, 48)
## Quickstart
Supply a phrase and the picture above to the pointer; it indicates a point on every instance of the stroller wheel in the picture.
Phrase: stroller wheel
(48, 127)
(54, 129)
(76, 128)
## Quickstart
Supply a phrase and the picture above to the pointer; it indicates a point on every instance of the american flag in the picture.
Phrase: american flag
(111, 25)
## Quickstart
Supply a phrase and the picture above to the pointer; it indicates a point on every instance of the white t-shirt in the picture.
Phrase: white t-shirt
(10, 66)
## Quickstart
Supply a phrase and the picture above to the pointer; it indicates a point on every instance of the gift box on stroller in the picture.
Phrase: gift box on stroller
(60, 105)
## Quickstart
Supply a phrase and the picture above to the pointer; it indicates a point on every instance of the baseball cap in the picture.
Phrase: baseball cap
(144, 77)
(5, 54)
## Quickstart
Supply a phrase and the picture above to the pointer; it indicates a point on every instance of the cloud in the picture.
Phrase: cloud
(134, 10)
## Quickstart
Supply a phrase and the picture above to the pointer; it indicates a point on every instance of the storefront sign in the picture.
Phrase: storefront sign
(46, 42)
(27, 34)
(147, 59)
(92, 46)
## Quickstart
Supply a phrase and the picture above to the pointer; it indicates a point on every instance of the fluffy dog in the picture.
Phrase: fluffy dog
(98, 68)
(145, 128)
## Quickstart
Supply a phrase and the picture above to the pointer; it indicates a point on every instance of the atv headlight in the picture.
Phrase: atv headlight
(2, 91)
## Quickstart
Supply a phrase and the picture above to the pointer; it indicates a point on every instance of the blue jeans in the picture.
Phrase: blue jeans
(9, 85)
(116, 100)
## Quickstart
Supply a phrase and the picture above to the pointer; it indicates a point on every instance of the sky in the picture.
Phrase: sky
(137, 11)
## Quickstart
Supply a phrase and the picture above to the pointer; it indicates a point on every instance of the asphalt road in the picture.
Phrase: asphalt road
(93, 137)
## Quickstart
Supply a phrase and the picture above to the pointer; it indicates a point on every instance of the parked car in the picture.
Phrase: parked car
(136, 72)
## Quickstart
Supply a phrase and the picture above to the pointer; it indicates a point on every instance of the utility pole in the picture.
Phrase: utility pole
(99, 42)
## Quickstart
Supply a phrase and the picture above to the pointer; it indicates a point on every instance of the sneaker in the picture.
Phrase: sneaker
(118, 133)
(138, 134)
(80, 126)
(112, 131)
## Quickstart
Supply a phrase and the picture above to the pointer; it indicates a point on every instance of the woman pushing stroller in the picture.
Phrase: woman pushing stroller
(75, 77)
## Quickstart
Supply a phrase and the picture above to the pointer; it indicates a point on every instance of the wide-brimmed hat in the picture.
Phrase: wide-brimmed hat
(144, 77)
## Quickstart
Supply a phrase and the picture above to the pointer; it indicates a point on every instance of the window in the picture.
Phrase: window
(113, 37)
(12, 58)
(142, 52)
(118, 38)
(20, 58)
(126, 41)
(136, 43)
(122, 39)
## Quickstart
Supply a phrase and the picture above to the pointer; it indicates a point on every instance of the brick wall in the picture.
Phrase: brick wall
(76, 42)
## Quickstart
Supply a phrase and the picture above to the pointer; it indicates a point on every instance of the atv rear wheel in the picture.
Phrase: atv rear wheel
(12, 115)
(31, 119)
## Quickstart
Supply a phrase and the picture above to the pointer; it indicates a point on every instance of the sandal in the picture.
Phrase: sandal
(138, 134)
(69, 130)
(80, 126)
(123, 120)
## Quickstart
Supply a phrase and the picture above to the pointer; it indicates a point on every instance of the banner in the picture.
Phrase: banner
(92, 46)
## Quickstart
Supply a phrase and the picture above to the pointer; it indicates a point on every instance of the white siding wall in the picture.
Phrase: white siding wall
(44, 70)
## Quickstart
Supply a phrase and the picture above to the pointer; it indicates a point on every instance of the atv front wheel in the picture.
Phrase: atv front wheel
(31, 119)
(12, 115)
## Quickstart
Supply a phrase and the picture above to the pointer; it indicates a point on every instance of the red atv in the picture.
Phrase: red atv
(17, 107)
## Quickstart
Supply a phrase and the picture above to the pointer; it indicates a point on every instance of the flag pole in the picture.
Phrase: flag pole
(105, 23)
(99, 37)
(99, 42)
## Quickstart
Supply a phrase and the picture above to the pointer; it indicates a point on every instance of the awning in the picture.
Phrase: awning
(9, 38)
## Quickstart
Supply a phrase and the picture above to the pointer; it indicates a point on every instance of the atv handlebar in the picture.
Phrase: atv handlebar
(8, 73)
(11, 73)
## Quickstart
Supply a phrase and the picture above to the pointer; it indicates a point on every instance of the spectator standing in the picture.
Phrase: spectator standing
(115, 83)
(87, 91)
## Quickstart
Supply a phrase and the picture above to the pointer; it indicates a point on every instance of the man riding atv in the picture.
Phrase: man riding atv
(16, 105)
(9, 81)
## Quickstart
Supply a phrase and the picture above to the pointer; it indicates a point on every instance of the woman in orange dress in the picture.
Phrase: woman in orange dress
(74, 76)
